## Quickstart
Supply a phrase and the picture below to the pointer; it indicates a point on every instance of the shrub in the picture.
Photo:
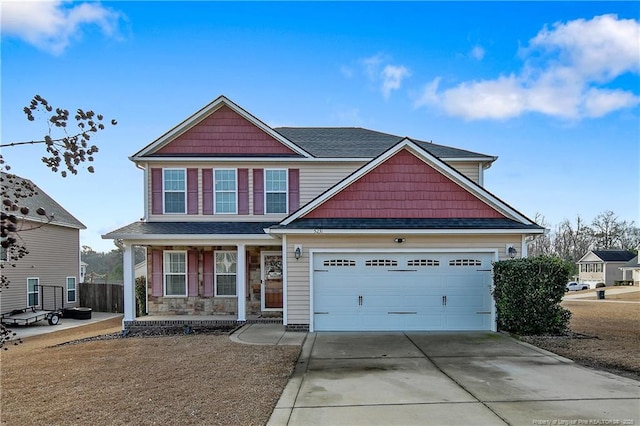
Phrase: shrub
(141, 296)
(600, 285)
(528, 293)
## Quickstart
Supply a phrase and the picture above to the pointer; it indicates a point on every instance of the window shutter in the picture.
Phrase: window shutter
(258, 191)
(156, 273)
(207, 191)
(294, 190)
(207, 266)
(192, 273)
(156, 191)
(192, 191)
(243, 191)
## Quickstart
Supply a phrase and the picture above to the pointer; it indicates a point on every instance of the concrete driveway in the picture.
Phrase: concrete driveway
(447, 379)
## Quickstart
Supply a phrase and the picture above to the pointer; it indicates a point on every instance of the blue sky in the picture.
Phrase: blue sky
(551, 88)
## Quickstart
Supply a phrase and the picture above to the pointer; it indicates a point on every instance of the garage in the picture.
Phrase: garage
(391, 291)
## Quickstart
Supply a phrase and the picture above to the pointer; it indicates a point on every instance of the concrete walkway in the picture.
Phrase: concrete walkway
(608, 291)
(422, 378)
(267, 334)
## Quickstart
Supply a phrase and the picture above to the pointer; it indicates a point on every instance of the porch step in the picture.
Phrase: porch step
(190, 325)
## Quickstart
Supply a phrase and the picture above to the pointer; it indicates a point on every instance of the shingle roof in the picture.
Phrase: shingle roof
(189, 228)
(614, 255)
(633, 263)
(61, 216)
(376, 223)
(356, 142)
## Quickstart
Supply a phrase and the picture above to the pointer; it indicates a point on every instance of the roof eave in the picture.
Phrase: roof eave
(405, 231)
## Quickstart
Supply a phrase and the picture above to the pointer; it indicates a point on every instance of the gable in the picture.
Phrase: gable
(223, 133)
(404, 186)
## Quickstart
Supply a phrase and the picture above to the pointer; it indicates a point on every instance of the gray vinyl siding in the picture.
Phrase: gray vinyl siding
(54, 255)
(298, 272)
(315, 179)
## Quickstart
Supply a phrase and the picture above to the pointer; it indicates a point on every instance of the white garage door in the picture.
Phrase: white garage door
(402, 291)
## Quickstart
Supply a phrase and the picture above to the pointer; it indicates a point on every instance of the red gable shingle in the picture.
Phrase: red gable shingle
(404, 186)
(225, 132)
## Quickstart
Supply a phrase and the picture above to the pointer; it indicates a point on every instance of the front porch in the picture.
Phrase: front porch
(161, 324)
(204, 285)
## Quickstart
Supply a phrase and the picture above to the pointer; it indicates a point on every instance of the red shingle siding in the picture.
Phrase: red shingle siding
(225, 132)
(404, 187)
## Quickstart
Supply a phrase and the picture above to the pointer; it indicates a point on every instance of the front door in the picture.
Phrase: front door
(271, 291)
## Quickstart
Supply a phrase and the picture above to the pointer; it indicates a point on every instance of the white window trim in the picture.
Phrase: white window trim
(215, 275)
(286, 191)
(36, 292)
(164, 191)
(235, 171)
(164, 273)
(75, 289)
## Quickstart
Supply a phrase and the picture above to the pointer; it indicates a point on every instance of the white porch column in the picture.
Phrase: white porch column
(128, 269)
(241, 283)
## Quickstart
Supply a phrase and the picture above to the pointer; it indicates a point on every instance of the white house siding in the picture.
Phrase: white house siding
(54, 255)
(470, 169)
(315, 178)
(298, 274)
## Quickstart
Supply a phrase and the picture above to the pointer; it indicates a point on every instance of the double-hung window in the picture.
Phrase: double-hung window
(175, 273)
(226, 191)
(225, 273)
(174, 190)
(275, 191)
(71, 289)
(33, 291)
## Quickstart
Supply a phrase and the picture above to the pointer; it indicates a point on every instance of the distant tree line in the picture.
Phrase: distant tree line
(572, 240)
(107, 267)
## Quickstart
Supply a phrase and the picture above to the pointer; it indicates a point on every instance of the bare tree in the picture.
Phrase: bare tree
(572, 241)
(608, 231)
(65, 152)
(540, 244)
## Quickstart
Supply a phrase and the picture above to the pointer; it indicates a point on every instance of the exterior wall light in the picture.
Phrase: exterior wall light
(297, 252)
(512, 252)
(400, 240)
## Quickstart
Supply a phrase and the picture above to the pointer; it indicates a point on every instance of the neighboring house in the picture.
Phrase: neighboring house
(603, 266)
(53, 259)
(631, 271)
(141, 269)
(331, 228)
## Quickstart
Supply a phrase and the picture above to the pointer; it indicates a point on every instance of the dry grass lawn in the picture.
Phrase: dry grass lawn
(192, 379)
(608, 335)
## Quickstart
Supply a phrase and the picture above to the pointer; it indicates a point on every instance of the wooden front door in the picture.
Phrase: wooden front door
(271, 267)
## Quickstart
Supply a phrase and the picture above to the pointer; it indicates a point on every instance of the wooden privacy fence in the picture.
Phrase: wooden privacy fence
(102, 297)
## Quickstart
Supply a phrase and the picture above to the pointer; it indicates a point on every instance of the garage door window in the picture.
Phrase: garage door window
(339, 262)
(465, 262)
(423, 262)
(381, 262)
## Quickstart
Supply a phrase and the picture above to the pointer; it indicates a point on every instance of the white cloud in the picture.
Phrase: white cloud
(50, 25)
(477, 52)
(563, 74)
(392, 77)
(379, 71)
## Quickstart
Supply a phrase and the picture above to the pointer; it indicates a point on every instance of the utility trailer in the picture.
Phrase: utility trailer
(39, 312)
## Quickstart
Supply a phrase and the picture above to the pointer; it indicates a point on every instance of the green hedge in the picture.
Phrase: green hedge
(528, 293)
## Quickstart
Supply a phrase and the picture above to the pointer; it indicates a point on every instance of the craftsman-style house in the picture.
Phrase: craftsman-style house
(329, 228)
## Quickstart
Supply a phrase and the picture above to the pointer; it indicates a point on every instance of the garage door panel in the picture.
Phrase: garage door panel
(394, 291)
